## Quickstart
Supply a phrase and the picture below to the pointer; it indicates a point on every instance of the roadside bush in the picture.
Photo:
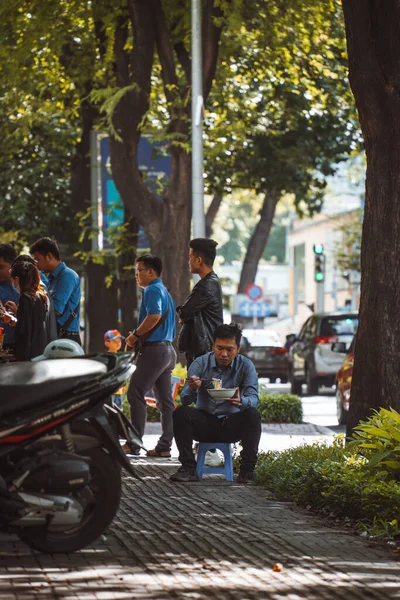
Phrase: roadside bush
(280, 408)
(333, 480)
(378, 440)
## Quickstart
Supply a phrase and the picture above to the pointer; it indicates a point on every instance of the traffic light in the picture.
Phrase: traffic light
(319, 263)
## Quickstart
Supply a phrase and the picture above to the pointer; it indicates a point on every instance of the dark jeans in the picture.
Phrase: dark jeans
(193, 424)
(70, 335)
(153, 370)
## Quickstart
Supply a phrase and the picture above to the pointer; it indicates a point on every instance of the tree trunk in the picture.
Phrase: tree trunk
(374, 51)
(127, 280)
(258, 241)
(101, 306)
(165, 221)
(212, 213)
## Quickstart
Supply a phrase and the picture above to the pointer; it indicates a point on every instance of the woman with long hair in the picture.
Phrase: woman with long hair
(31, 335)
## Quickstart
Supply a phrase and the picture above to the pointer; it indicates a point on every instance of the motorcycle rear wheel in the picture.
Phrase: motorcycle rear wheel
(106, 489)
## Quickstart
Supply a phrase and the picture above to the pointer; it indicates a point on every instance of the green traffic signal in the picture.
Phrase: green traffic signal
(318, 248)
(319, 264)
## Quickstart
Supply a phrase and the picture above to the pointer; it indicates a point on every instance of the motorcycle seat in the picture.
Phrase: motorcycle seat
(24, 384)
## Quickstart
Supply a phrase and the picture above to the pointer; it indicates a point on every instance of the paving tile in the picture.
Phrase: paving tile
(209, 540)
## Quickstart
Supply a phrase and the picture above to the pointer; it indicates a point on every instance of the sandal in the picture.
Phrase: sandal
(156, 452)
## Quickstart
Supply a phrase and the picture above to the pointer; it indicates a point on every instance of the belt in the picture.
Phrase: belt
(157, 344)
(69, 333)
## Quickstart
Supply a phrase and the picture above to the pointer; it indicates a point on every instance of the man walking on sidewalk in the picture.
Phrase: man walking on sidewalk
(156, 355)
(211, 420)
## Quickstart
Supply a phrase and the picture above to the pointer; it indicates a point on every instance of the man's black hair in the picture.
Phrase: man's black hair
(7, 253)
(45, 246)
(151, 262)
(228, 332)
(204, 248)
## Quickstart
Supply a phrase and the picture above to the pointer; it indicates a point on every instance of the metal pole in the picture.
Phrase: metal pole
(320, 304)
(199, 224)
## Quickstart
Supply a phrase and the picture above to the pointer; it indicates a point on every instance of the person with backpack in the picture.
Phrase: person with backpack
(64, 287)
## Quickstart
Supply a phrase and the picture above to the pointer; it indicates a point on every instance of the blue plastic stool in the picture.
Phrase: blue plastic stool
(226, 449)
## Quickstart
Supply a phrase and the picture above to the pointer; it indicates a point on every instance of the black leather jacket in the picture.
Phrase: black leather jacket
(201, 314)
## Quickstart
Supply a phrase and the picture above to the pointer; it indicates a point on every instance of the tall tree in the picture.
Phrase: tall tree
(288, 115)
(373, 41)
(53, 55)
(162, 28)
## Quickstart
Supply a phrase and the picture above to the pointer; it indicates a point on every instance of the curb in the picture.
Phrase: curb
(296, 429)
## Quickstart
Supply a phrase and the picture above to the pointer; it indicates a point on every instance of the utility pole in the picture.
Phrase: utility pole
(319, 276)
(198, 219)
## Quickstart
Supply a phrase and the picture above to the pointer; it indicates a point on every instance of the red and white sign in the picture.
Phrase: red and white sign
(254, 292)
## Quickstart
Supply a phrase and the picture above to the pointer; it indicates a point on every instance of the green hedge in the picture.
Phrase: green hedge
(336, 481)
(280, 408)
(274, 408)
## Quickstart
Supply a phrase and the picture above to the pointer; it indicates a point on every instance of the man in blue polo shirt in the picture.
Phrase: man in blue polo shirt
(157, 357)
(8, 293)
(64, 287)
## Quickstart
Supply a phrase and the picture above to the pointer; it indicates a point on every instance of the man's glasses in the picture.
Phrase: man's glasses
(138, 270)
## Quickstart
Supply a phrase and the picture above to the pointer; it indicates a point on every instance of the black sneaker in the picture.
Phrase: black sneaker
(248, 477)
(185, 474)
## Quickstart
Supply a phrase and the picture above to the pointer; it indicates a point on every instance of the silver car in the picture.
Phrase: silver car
(312, 359)
(266, 350)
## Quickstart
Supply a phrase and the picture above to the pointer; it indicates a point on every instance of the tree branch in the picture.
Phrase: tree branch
(164, 49)
(212, 213)
(121, 65)
(184, 59)
(211, 34)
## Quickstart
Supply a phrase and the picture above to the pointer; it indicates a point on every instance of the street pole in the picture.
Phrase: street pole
(198, 220)
(320, 304)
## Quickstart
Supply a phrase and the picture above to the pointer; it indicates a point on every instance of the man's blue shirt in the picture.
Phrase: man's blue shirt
(65, 289)
(155, 302)
(241, 373)
(7, 293)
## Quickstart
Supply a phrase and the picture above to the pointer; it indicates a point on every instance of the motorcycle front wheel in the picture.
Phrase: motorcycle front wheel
(105, 487)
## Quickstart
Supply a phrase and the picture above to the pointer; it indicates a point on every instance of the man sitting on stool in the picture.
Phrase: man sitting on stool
(231, 420)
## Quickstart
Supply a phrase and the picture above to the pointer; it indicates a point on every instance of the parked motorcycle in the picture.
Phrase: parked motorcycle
(60, 456)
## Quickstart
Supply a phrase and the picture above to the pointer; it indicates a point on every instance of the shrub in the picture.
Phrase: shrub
(378, 440)
(332, 479)
(280, 408)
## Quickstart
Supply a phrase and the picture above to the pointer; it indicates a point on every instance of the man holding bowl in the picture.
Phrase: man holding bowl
(226, 415)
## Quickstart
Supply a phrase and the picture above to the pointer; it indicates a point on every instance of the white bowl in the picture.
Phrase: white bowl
(223, 394)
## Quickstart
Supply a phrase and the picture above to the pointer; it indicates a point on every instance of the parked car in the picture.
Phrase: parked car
(312, 359)
(268, 353)
(343, 380)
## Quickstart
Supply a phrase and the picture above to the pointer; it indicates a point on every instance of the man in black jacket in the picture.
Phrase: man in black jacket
(201, 314)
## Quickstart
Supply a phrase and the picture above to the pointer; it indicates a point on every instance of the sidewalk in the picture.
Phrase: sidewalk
(274, 436)
(211, 540)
